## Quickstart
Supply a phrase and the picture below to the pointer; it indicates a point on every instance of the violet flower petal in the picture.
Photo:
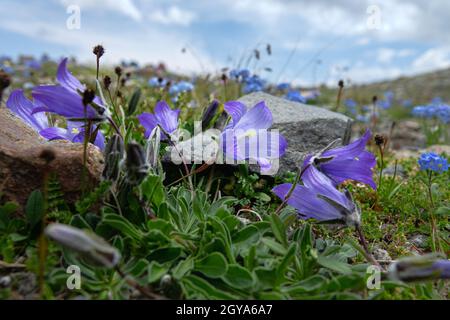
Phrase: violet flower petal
(55, 133)
(22, 107)
(307, 203)
(236, 110)
(66, 79)
(258, 117)
(148, 121)
(167, 117)
(62, 101)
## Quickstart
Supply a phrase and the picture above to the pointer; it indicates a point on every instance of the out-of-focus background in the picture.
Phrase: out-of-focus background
(312, 42)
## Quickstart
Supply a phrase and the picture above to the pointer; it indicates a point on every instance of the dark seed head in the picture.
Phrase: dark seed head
(118, 71)
(374, 99)
(341, 83)
(224, 77)
(88, 96)
(106, 82)
(380, 140)
(99, 51)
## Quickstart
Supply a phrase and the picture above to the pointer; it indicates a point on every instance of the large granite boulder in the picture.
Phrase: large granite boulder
(25, 157)
(306, 128)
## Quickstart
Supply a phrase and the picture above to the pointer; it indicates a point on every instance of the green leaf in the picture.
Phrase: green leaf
(334, 265)
(287, 259)
(247, 235)
(156, 271)
(274, 246)
(267, 277)
(310, 284)
(5, 212)
(183, 268)
(238, 277)
(123, 225)
(153, 190)
(34, 209)
(198, 284)
(163, 255)
(264, 197)
(134, 101)
(443, 211)
(278, 229)
(214, 265)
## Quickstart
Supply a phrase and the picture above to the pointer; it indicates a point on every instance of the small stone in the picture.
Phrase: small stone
(306, 128)
(381, 255)
(5, 281)
(419, 240)
(392, 170)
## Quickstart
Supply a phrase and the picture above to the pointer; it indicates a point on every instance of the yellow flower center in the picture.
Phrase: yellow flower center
(75, 131)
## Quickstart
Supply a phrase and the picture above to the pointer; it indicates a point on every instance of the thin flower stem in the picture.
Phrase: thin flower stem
(434, 232)
(137, 286)
(188, 174)
(291, 190)
(380, 177)
(363, 242)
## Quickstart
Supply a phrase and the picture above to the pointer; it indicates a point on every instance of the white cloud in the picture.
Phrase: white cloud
(125, 7)
(434, 58)
(122, 44)
(173, 16)
(387, 55)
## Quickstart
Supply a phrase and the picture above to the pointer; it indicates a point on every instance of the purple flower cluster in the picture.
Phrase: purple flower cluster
(441, 112)
(252, 83)
(435, 110)
(64, 99)
(246, 137)
(319, 197)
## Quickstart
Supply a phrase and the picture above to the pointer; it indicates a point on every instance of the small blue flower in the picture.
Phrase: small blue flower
(240, 74)
(389, 95)
(283, 86)
(157, 82)
(432, 161)
(351, 106)
(296, 96)
(385, 104)
(407, 103)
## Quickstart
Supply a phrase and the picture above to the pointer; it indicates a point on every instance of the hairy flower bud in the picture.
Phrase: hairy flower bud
(88, 245)
(114, 154)
(136, 164)
(420, 268)
(209, 114)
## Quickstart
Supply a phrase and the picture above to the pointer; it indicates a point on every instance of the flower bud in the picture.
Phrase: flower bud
(136, 164)
(88, 245)
(419, 268)
(114, 154)
(209, 114)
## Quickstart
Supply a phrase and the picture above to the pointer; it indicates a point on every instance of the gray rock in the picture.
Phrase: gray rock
(306, 128)
(381, 255)
(419, 240)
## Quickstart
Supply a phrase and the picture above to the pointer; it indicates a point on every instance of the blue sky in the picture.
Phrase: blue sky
(312, 41)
